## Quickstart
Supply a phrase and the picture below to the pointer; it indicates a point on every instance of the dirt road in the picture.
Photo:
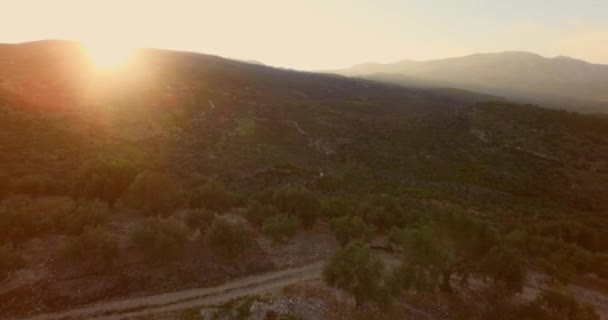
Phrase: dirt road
(167, 302)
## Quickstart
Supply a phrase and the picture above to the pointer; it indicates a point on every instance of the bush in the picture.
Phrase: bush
(9, 260)
(357, 271)
(213, 195)
(89, 214)
(349, 228)
(37, 185)
(105, 180)
(257, 213)
(299, 202)
(328, 183)
(336, 207)
(199, 219)
(280, 227)
(94, 246)
(159, 239)
(153, 192)
(23, 218)
(228, 239)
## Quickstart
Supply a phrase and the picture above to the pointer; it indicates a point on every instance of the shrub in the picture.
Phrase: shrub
(328, 183)
(213, 195)
(357, 271)
(153, 192)
(300, 202)
(336, 207)
(36, 186)
(93, 245)
(199, 219)
(280, 227)
(23, 218)
(87, 214)
(160, 239)
(228, 239)
(257, 213)
(105, 180)
(265, 196)
(9, 260)
(350, 228)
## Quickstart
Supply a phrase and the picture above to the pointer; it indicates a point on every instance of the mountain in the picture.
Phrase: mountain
(189, 112)
(559, 82)
(89, 155)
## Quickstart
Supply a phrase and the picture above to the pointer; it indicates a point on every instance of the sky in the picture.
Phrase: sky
(320, 34)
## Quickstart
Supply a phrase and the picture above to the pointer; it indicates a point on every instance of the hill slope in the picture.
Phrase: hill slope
(560, 81)
(394, 155)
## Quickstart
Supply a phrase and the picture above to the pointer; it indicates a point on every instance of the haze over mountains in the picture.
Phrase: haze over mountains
(560, 82)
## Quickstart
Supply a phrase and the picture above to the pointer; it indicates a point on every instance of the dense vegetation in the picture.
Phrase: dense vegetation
(462, 190)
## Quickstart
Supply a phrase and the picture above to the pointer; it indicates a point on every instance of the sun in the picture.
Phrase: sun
(107, 56)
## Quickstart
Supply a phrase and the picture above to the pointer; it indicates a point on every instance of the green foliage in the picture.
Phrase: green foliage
(160, 240)
(351, 228)
(94, 246)
(214, 196)
(336, 207)
(36, 185)
(86, 214)
(357, 271)
(560, 260)
(106, 180)
(299, 202)
(280, 227)
(153, 193)
(257, 213)
(328, 183)
(382, 210)
(199, 219)
(554, 305)
(10, 260)
(423, 260)
(504, 268)
(228, 239)
(457, 244)
(23, 218)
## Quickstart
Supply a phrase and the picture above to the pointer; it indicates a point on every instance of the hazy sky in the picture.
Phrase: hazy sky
(320, 34)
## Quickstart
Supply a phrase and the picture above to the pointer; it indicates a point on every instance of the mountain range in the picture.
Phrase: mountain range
(560, 82)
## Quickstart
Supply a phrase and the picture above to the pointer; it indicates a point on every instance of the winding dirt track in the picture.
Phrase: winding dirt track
(167, 302)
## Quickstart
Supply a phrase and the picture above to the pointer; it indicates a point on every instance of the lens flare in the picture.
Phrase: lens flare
(106, 55)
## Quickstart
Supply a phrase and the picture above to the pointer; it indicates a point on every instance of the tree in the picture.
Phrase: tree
(213, 195)
(299, 202)
(257, 213)
(153, 192)
(280, 227)
(336, 207)
(349, 228)
(457, 244)
(37, 185)
(357, 271)
(228, 239)
(160, 240)
(199, 219)
(104, 179)
(94, 246)
(86, 214)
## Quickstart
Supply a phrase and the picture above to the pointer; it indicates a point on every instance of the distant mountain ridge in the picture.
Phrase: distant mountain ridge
(558, 82)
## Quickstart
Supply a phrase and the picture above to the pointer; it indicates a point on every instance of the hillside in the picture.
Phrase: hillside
(561, 82)
(159, 152)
